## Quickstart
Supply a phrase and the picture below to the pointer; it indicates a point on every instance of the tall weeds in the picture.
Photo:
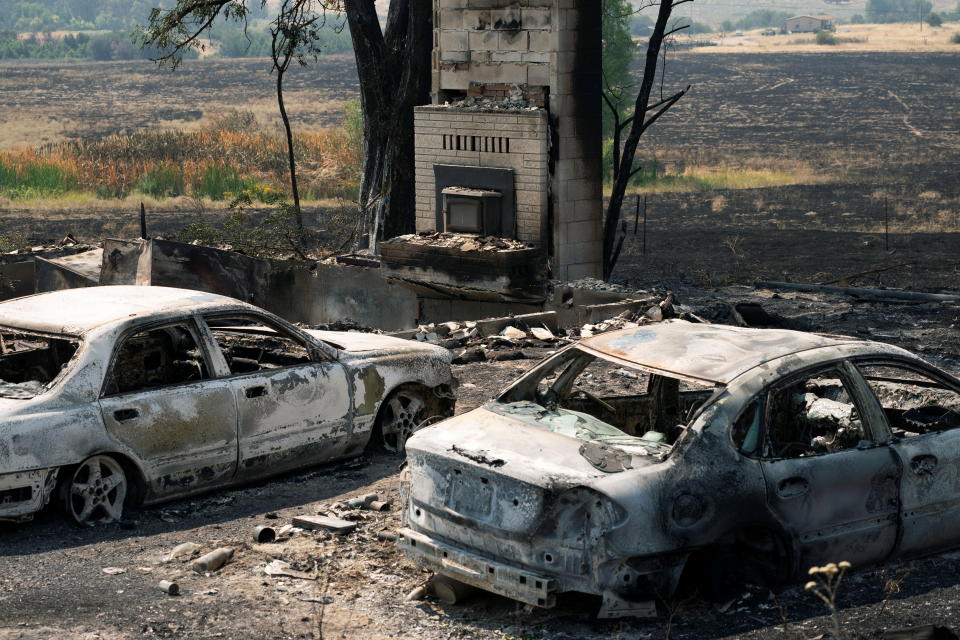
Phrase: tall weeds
(231, 154)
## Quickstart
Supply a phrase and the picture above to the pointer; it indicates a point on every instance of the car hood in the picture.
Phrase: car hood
(505, 440)
(360, 342)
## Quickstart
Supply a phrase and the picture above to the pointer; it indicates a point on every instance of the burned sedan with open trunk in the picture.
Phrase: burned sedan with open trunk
(630, 460)
(141, 394)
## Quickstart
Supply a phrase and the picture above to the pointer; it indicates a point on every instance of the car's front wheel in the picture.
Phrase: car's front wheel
(400, 416)
(95, 491)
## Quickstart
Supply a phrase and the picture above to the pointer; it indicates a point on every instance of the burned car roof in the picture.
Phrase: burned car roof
(714, 353)
(76, 311)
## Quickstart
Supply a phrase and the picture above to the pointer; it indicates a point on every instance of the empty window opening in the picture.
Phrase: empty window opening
(608, 404)
(810, 416)
(914, 403)
(249, 345)
(29, 362)
(155, 358)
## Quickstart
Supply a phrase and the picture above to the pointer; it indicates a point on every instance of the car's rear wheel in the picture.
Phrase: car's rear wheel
(95, 491)
(402, 414)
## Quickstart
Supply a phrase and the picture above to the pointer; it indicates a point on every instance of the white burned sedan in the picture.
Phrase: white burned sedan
(141, 394)
(723, 454)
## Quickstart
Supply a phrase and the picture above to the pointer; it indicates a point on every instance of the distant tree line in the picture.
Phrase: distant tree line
(102, 31)
(757, 19)
(897, 10)
(80, 46)
(53, 15)
(235, 42)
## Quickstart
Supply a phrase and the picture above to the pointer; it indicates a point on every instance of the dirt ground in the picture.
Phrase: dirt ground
(53, 583)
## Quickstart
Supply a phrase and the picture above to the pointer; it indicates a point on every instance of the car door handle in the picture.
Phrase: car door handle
(793, 487)
(123, 415)
(255, 392)
(924, 465)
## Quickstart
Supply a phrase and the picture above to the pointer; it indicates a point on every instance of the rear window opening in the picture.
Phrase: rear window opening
(607, 403)
(29, 362)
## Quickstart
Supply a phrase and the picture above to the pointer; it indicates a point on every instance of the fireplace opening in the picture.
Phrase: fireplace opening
(476, 200)
(472, 210)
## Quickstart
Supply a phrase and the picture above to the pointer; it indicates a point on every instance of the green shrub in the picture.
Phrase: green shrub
(163, 182)
(221, 182)
(935, 20)
(956, 38)
(826, 37)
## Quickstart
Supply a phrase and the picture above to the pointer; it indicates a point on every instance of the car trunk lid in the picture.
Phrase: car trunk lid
(497, 471)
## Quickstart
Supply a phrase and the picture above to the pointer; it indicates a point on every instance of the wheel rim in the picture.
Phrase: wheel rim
(97, 491)
(400, 419)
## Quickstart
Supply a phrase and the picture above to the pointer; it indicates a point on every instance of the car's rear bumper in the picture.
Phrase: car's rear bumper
(25, 493)
(497, 577)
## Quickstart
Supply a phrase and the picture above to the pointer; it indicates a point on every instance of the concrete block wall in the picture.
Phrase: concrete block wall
(485, 42)
(474, 138)
(575, 116)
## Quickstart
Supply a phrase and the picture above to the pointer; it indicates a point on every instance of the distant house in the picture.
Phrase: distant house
(808, 24)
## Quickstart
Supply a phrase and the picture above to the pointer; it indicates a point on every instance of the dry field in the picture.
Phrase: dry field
(43, 102)
(855, 132)
(779, 165)
(908, 37)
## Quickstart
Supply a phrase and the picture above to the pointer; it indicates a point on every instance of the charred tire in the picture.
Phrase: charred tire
(402, 413)
(94, 491)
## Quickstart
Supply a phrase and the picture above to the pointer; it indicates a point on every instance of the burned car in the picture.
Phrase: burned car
(631, 459)
(141, 394)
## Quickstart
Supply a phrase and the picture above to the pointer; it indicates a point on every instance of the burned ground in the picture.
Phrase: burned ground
(851, 131)
(53, 582)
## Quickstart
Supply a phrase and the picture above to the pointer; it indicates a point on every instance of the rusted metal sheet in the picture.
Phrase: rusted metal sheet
(121, 260)
(69, 272)
(17, 279)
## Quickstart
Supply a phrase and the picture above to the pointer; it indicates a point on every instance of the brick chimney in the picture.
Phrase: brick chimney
(512, 144)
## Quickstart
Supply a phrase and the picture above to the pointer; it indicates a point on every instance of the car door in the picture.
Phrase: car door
(161, 399)
(294, 403)
(830, 477)
(922, 409)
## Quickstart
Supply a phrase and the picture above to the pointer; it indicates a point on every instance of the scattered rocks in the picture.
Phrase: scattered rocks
(463, 242)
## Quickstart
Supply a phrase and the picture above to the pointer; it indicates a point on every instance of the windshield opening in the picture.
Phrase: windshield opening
(603, 402)
(29, 362)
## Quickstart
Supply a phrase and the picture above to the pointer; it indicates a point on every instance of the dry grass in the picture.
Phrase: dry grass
(853, 37)
(231, 154)
(710, 172)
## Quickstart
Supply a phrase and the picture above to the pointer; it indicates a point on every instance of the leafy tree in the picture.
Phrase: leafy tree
(761, 18)
(394, 71)
(897, 10)
(618, 49)
(641, 25)
(935, 20)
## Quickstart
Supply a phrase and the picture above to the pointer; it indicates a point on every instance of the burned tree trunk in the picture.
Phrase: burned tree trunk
(393, 65)
(643, 117)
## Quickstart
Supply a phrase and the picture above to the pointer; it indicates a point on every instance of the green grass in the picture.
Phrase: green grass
(37, 180)
(715, 179)
(163, 182)
(221, 183)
